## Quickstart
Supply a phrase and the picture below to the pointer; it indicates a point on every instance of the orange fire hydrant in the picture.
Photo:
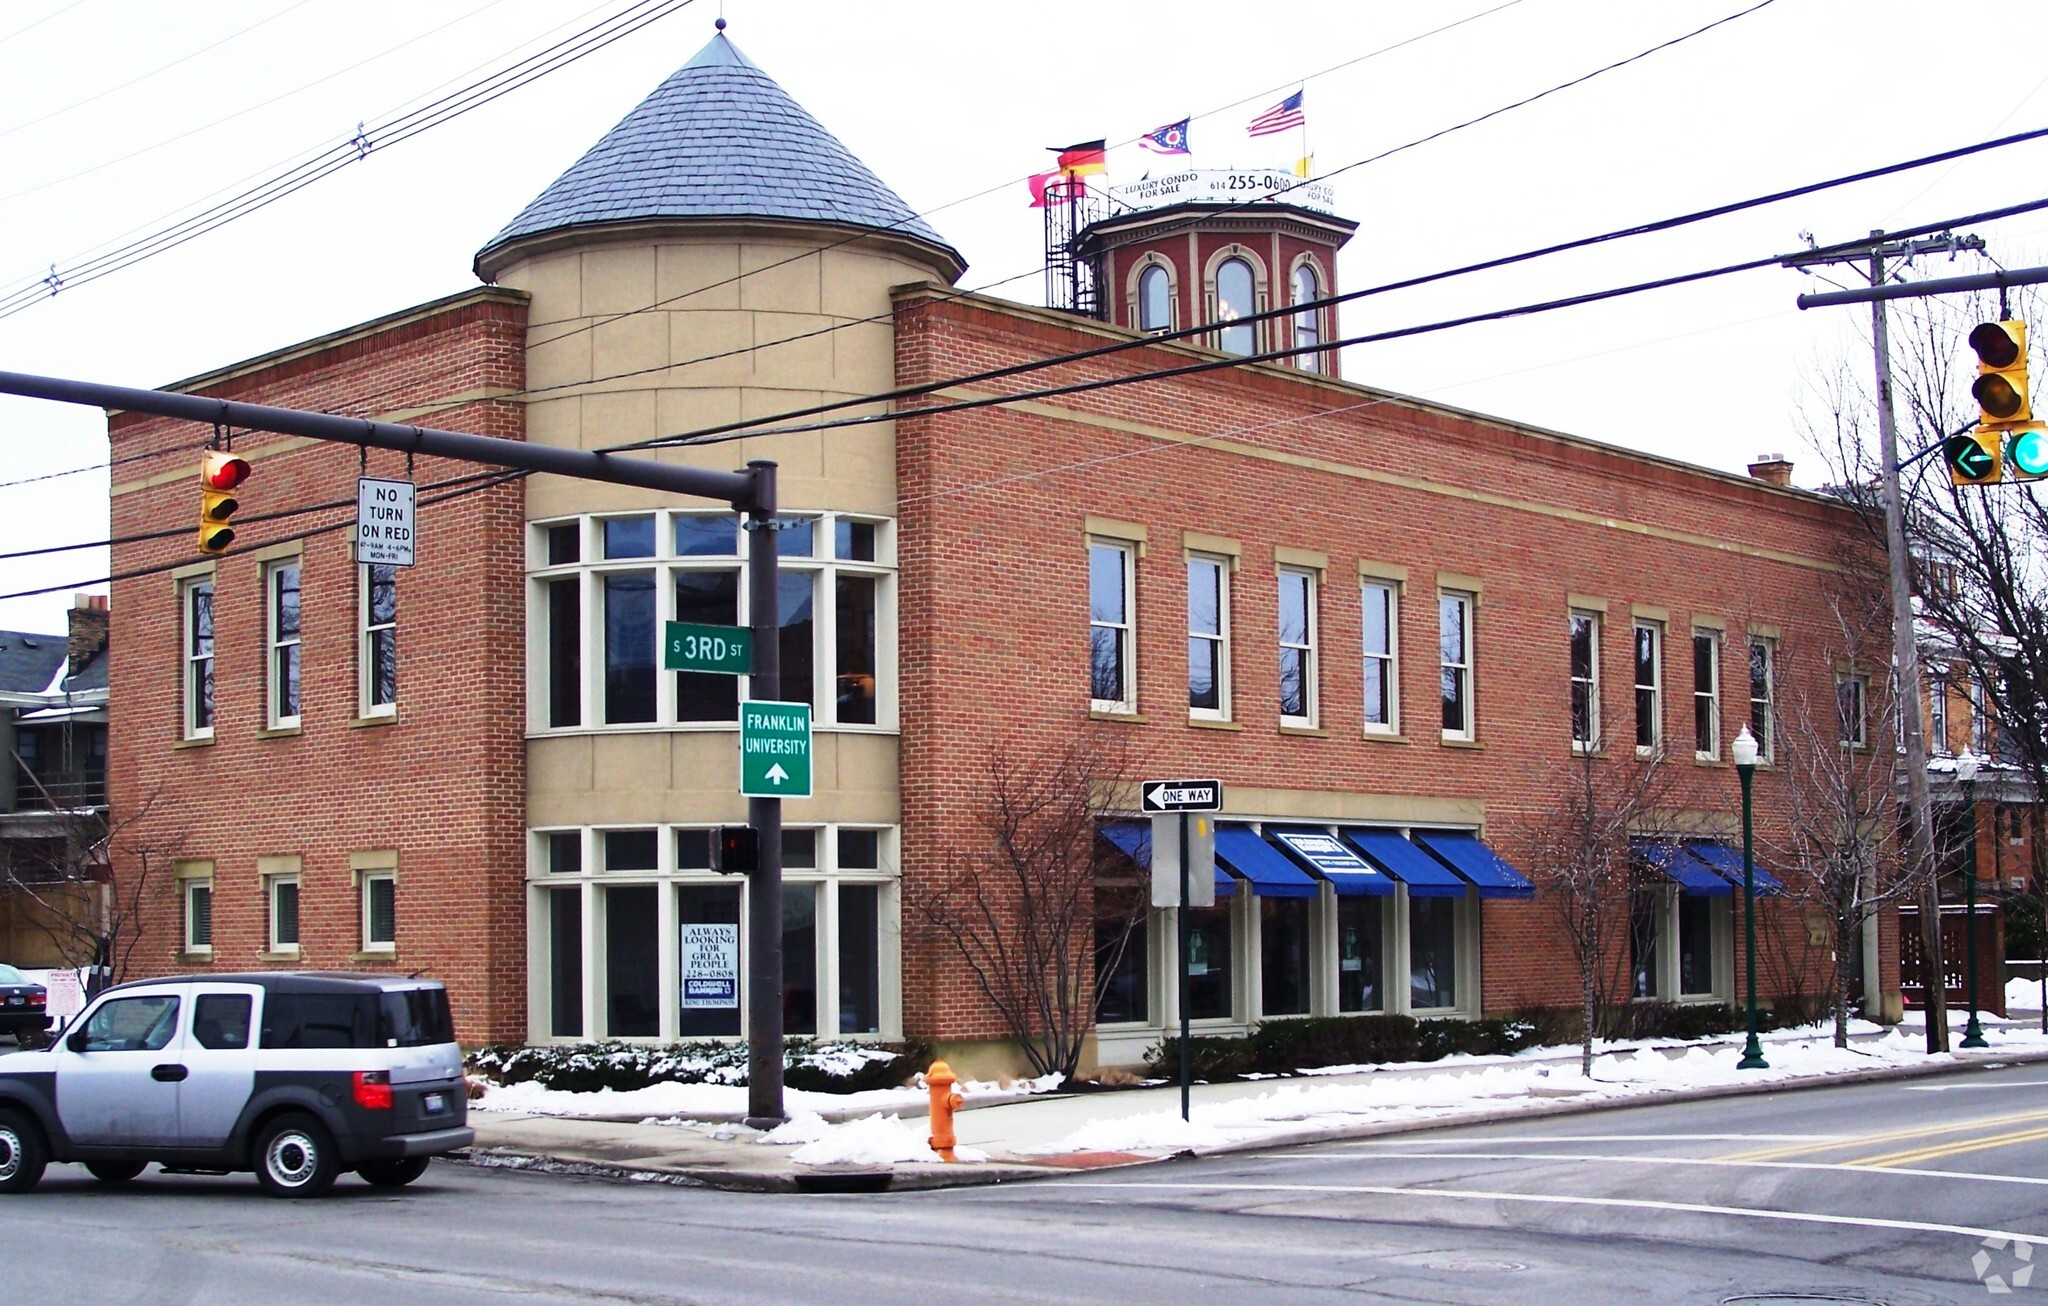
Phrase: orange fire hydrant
(940, 1080)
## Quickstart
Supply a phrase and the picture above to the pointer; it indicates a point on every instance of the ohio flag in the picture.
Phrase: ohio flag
(1170, 139)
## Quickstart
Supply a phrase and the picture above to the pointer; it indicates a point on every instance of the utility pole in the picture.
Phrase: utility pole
(751, 492)
(1905, 648)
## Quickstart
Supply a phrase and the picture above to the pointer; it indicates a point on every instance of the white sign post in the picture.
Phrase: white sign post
(384, 522)
(710, 963)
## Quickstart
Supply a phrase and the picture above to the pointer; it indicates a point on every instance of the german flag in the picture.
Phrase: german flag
(1084, 159)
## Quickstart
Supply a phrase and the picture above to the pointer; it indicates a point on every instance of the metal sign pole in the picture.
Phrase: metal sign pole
(764, 889)
(1184, 931)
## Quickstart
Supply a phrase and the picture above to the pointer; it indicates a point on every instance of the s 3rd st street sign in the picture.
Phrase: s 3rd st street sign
(724, 650)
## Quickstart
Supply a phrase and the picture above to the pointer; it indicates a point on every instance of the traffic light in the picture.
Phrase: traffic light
(2026, 454)
(2001, 386)
(1973, 458)
(219, 474)
(735, 849)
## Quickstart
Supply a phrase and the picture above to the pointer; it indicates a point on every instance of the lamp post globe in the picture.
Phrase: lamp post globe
(1966, 775)
(1743, 748)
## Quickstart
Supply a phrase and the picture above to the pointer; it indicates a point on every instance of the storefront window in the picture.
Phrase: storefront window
(860, 958)
(1283, 956)
(1432, 953)
(1209, 952)
(1695, 944)
(714, 904)
(632, 992)
(1360, 977)
(565, 962)
(1120, 952)
(800, 958)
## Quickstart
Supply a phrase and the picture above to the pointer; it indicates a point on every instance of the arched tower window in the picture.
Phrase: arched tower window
(1236, 295)
(1308, 327)
(1155, 299)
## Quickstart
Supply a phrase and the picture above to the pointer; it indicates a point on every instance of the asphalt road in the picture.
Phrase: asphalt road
(1879, 1192)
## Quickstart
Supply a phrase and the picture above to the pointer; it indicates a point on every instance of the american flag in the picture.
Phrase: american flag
(1279, 118)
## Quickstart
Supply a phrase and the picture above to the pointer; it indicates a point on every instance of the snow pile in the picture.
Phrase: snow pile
(873, 1141)
(2024, 994)
(1503, 1086)
(673, 1103)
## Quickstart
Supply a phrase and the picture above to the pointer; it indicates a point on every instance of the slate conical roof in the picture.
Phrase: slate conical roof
(718, 139)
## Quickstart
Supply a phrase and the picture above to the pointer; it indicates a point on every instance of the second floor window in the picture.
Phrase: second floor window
(1763, 658)
(1208, 637)
(1585, 655)
(284, 644)
(379, 648)
(1454, 640)
(1380, 608)
(1155, 299)
(1298, 647)
(1236, 299)
(1111, 630)
(198, 614)
(1937, 713)
(1706, 695)
(1851, 691)
(1649, 686)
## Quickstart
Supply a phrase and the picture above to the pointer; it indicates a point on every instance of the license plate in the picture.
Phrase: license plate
(434, 1103)
(16, 1000)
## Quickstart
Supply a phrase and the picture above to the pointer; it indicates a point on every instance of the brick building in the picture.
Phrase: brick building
(477, 767)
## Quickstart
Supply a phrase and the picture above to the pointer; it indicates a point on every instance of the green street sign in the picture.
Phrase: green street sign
(2028, 452)
(726, 650)
(775, 750)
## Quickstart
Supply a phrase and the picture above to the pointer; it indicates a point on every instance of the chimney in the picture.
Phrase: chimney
(88, 628)
(1772, 469)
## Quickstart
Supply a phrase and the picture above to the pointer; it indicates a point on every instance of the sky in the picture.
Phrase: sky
(120, 116)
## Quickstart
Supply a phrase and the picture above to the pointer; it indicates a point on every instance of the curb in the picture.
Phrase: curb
(912, 1178)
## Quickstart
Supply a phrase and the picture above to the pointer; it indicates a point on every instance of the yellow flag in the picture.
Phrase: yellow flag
(1301, 165)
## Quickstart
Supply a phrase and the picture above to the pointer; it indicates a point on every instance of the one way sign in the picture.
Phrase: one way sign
(1181, 795)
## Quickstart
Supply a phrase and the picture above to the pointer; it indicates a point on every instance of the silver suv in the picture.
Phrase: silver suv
(296, 1076)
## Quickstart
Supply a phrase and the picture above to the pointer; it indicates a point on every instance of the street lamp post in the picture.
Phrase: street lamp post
(1966, 773)
(1743, 749)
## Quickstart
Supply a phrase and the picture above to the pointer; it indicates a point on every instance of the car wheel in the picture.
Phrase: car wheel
(22, 1154)
(394, 1174)
(295, 1158)
(115, 1172)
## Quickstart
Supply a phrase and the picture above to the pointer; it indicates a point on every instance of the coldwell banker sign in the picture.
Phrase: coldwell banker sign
(1228, 186)
(710, 963)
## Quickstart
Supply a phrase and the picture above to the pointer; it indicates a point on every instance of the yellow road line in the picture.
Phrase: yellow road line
(1915, 1155)
(1895, 1135)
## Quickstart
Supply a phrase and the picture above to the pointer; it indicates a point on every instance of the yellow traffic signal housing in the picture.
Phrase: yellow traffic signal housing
(2026, 452)
(2001, 385)
(219, 474)
(1973, 458)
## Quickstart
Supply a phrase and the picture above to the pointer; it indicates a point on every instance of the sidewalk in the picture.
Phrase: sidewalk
(1012, 1138)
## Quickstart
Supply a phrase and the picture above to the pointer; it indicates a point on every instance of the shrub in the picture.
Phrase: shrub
(1208, 1058)
(1493, 1036)
(622, 1067)
(1281, 1046)
(1553, 1026)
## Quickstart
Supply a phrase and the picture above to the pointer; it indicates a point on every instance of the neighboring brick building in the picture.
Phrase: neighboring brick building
(520, 802)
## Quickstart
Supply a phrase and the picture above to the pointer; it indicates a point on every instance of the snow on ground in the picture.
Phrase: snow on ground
(1500, 1086)
(2024, 994)
(683, 1103)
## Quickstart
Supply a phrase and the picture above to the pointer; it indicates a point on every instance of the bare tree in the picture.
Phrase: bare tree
(1025, 902)
(1835, 755)
(86, 883)
(1583, 863)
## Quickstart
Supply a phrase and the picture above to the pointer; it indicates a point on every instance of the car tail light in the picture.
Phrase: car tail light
(373, 1090)
(36, 999)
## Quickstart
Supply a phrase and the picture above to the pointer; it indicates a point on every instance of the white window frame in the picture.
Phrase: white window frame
(1711, 694)
(188, 889)
(1666, 983)
(1220, 638)
(197, 668)
(1307, 647)
(1763, 712)
(1143, 272)
(271, 884)
(369, 942)
(590, 568)
(1980, 724)
(1937, 711)
(1387, 592)
(1854, 733)
(1468, 680)
(827, 878)
(1654, 687)
(285, 663)
(1306, 325)
(1126, 630)
(366, 643)
(1591, 680)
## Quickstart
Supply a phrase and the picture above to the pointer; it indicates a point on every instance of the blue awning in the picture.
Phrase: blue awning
(1469, 856)
(1250, 858)
(1134, 840)
(1425, 876)
(1690, 872)
(1727, 862)
(1327, 856)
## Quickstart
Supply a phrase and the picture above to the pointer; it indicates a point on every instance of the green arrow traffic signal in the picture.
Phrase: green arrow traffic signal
(1972, 459)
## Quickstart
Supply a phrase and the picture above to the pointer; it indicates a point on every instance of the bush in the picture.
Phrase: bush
(622, 1067)
(2023, 929)
(1553, 1027)
(1208, 1058)
(1282, 1046)
(1654, 1020)
(1495, 1036)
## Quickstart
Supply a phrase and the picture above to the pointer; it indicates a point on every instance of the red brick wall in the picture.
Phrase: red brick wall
(443, 784)
(994, 599)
